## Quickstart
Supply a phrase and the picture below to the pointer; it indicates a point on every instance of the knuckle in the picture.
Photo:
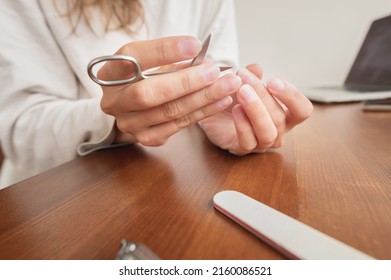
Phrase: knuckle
(183, 122)
(122, 126)
(171, 110)
(207, 94)
(106, 106)
(146, 139)
(161, 51)
(185, 82)
(205, 112)
(125, 125)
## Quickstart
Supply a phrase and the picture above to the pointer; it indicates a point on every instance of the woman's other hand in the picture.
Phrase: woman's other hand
(261, 117)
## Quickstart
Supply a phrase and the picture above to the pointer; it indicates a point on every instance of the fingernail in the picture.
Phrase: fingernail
(276, 84)
(210, 72)
(189, 46)
(247, 76)
(231, 83)
(248, 94)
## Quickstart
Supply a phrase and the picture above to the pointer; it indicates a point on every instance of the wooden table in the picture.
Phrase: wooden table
(333, 173)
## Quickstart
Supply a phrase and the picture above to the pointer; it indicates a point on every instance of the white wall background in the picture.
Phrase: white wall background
(308, 42)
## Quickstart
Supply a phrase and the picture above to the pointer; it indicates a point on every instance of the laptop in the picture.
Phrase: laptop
(369, 77)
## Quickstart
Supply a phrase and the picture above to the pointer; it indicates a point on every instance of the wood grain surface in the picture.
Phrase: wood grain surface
(333, 173)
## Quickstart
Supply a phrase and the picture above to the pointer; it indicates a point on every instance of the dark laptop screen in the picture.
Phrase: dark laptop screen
(371, 69)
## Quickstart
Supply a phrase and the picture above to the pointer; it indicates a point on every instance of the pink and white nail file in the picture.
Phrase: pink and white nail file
(289, 236)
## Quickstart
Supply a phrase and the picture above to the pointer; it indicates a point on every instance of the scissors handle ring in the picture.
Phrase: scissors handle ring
(137, 70)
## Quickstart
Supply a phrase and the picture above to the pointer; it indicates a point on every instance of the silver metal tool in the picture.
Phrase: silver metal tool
(131, 250)
(138, 73)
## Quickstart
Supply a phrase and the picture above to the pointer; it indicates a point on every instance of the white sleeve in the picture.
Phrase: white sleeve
(224, 44)
(43, 120)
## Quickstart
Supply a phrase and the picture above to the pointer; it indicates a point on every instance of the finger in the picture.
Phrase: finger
(175, 109)
(261, 121)
(298, 106)
(247, 141)
(275, 110)
(149, 54)
(256, 69)
(252, 80)
(160, 89)
(158, 135)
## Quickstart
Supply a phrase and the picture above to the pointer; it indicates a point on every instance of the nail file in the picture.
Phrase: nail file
(289, 236)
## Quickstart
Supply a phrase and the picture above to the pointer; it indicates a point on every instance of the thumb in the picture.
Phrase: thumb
(149, 54)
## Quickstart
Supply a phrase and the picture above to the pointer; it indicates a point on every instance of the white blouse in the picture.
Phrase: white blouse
(49, 107)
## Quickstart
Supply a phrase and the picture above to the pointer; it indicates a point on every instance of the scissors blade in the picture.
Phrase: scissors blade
(200, 57)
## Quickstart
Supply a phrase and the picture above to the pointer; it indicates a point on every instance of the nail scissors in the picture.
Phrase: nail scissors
(138, 73)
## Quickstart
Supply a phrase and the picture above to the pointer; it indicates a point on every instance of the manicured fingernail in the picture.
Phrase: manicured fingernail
(247, 76)
(248, 94)
(276, 84)
(189, 46)
(210, 72)
(231, 83)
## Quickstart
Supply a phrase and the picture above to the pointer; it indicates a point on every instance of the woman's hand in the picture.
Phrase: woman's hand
(261, 117)
(153, 109)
